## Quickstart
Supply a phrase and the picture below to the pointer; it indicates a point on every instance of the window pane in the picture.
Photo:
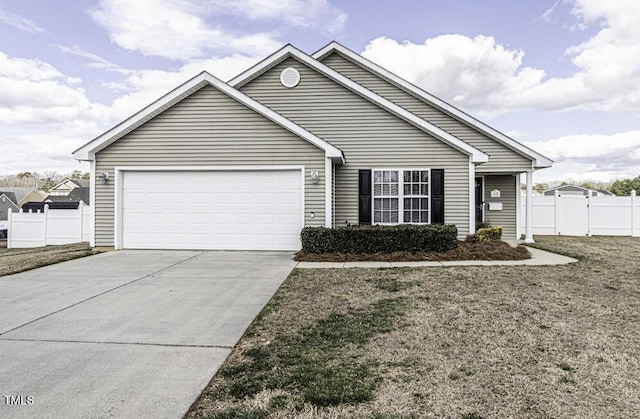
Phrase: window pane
(394, 216)
(394, 176)
(425, 216)
(425, 175)
(394, 204)
(394, 189)
(425, 189)
(376, 204)
(415, 217)
(407, 203)
(377, 217)
(407, 216)
(385, 217)
(407, 189)
(415, 176)
(385, 205)
(407, 176)
(415, 203)
(385, 189)
(377, 189)
(424, 203)
(385, 176)
(416, 189)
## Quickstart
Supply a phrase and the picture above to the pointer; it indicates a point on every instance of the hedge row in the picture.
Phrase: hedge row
(380, 239)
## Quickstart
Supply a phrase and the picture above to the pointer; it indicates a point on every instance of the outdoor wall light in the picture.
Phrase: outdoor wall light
(313, 214)
(314, 177)
(104, 177)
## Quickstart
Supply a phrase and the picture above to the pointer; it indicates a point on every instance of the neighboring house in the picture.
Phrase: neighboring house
(576, 190)
(26, 195)
(77, 194)
(7, 201)
(39, 206)
(65, 187)
(298, 140)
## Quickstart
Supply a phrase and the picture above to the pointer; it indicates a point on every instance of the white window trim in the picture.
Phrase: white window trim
(400, 196)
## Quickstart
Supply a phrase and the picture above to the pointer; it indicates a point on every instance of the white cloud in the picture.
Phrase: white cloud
(187, 29)
(490, 78)
(20, 22)
(96, 61)
(584, 156)
(170, 29)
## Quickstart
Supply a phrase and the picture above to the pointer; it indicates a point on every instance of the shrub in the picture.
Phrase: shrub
(486, 233)
(380, 239)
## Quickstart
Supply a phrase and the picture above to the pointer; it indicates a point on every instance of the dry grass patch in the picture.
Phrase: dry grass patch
(456, 342)
(485, 250)
(18, 260)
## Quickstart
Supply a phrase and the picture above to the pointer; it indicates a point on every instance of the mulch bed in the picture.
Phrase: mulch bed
(486, 250)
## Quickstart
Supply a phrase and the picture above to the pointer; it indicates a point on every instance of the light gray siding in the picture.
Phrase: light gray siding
(506, 218)
(369, 136)
(207, 128)
(501, 158)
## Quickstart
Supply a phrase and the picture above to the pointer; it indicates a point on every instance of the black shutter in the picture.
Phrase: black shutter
(437, 196)
(364, 192)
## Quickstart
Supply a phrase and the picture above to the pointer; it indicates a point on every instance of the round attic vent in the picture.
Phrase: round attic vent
(290, 77)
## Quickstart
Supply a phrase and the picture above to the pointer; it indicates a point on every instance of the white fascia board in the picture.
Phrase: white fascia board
(87, 152)
(289, 50)
(538, 159)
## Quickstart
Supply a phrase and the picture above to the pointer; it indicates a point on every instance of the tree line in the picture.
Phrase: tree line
(620, 187)
(41, 181)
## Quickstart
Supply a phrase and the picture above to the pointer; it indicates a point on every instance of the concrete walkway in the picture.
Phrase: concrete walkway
(127, 334)
(538, 258)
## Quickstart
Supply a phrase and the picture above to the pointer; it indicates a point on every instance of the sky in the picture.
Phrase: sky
(561, 76)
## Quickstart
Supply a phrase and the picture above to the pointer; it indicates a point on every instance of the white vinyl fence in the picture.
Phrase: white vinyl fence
(53, 226)
(578, 215)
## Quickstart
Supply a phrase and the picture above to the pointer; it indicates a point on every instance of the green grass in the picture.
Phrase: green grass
(311, 364)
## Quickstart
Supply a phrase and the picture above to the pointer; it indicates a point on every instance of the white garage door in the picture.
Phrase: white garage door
(224, 210)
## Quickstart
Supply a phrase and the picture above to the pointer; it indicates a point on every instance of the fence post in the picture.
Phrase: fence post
(9, 227)
(634, 220)
(556, 211)
(589, 196)
(46, 220)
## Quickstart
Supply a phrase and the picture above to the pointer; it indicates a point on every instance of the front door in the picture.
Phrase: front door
(479, 201)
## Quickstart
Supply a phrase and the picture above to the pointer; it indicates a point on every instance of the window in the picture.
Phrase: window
(401, 196)
(416, 196)
(385, 191)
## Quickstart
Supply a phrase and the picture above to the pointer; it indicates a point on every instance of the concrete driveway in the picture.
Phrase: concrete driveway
(126, 334)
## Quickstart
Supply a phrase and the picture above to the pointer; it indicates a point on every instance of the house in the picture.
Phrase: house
(65, 187)
(76, 195)
(26, 194)
(298, 140)
(576, 190)
(39, 206)
(8, 202)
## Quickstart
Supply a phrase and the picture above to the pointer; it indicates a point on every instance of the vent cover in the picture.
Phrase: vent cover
(290, 77)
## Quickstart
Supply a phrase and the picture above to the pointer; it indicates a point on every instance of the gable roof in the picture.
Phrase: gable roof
(87, 151)
(18, 192)
(539, 161)
(289, 50)
(11, 197)
(76, 195)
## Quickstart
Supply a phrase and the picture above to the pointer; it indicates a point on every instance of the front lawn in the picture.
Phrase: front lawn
(455, 342)
(18, 260)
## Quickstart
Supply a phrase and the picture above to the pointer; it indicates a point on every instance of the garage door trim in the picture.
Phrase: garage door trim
(119, 181)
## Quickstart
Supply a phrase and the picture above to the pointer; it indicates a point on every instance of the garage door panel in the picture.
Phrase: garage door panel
(244, 210)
